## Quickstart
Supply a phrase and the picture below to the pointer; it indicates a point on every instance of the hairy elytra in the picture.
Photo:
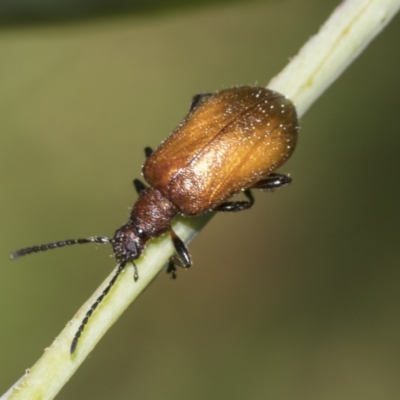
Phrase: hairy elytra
(230, 141)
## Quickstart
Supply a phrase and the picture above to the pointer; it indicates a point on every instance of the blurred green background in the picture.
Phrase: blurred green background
(296, 299)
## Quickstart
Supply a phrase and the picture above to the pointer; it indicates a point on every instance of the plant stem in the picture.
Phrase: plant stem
(347, 32)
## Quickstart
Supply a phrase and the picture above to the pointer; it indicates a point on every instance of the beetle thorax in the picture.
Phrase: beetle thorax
(152, 213)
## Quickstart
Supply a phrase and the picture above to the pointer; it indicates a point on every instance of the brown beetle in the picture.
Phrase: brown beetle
(231, 141)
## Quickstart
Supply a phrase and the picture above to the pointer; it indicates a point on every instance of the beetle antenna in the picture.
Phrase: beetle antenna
(85, 320)
(44, 247)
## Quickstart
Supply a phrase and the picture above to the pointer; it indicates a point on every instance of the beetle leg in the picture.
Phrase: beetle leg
(174, 262)
(272, 181)
(182, 258)
(231, 206)
(198, 99)
(148, 151)
(139, 186)
(171, 269)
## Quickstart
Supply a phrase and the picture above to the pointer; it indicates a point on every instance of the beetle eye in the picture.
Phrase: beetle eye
(131, 246)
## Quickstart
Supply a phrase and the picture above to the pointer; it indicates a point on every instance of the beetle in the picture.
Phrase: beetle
(231, 141)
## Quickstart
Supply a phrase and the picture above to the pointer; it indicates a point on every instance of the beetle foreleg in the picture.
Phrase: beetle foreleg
(231, 206)
(171, 269)
(182, 258)
(272, 181)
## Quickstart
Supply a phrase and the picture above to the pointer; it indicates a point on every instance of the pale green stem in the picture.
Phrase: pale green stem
(347, 32)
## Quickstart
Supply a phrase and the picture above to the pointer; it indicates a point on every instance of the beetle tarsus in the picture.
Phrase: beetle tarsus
(135, 272)
(171, 268)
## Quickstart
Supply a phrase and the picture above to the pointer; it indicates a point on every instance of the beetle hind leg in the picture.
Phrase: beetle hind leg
(232, 206)
(272, 181)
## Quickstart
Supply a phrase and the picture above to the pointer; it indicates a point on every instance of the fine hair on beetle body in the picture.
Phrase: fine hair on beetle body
(230, 141)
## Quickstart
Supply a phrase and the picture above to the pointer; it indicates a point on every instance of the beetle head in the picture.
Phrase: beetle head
(128, 243)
